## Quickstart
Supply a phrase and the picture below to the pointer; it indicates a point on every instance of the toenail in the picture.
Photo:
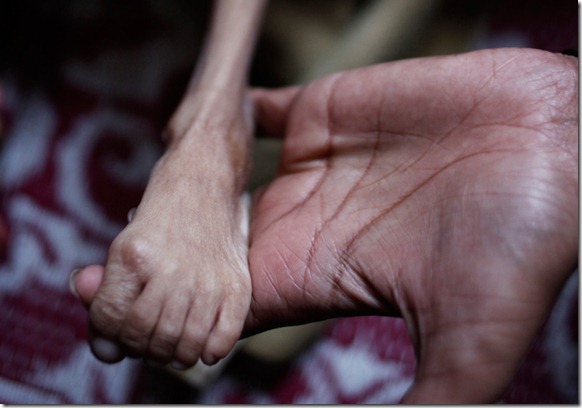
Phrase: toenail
(178, 366)
(106, 350)
(210, 360)
(72, 283)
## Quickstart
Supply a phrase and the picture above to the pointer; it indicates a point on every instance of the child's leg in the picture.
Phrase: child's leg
(176, 284)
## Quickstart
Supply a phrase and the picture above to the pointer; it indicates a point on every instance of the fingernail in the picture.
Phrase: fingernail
(72, 285)
(130, 214)
(106, 350)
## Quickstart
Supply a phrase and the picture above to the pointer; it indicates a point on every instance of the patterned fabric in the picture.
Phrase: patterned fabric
(76, 157)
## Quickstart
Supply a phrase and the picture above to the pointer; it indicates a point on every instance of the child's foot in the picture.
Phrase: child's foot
(177, 285)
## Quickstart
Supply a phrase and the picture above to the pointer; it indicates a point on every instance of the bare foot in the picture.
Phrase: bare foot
(176, 286)
(442, 189)
(175, 289)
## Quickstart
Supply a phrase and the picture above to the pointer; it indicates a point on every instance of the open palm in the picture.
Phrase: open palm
(443, 190)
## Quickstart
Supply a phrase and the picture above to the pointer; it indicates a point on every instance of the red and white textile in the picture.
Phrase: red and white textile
(76, 157)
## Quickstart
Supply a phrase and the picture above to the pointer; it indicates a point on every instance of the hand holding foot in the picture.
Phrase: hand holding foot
(441, 189)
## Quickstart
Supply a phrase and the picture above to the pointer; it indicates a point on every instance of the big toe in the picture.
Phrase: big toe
(86, 282)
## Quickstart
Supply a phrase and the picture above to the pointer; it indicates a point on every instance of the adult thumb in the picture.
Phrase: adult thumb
(85, 283)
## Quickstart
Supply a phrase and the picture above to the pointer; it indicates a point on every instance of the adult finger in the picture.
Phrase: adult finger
(85, 283)
(271, 109)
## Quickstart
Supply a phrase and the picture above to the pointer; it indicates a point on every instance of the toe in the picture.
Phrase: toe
(110, 307)
(141, 321)
(169, 329)
(193, 338)
(224, 335)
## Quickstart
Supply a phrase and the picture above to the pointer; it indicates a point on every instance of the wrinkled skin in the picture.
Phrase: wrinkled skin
(176, 285)
(441, 189)
(176, 290)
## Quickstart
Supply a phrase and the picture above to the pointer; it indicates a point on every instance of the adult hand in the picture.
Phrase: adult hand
(442, 189)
